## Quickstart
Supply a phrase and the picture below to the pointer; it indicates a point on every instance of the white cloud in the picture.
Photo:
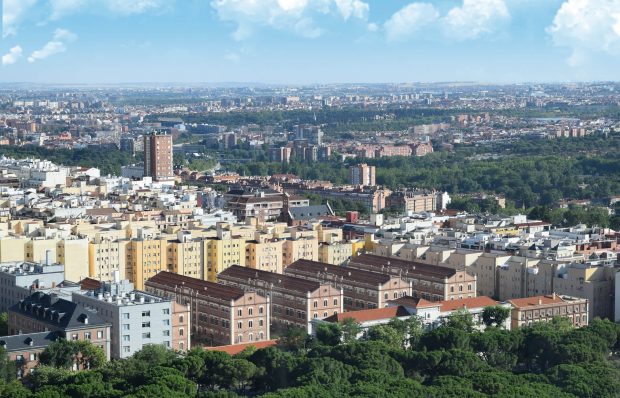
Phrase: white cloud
(298, 16)
(409, 20)
(12, 56)
(13, 11)
(355, 8)
(475, 18)
(57, 45)
(587, 26)
(61, 8)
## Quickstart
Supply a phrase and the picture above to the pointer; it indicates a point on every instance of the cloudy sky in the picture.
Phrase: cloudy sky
(309, 41)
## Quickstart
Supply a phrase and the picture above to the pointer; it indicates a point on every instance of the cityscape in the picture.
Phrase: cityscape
(209, 230)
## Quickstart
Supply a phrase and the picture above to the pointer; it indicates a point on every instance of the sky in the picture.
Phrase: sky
(309, 41)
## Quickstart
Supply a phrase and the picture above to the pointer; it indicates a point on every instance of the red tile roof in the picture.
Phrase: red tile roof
(474, 302)
(536, 300)
(415, 302)
(235, 349)
(369, 315)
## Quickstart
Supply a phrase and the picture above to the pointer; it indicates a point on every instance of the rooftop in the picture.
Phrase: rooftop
(379, 262)
(206, 288)
(352, 274)
(20, 342)
(284, 281)
(542, 300)
(374, 314)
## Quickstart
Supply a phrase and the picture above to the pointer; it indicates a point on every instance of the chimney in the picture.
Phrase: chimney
(539, 301)
(553, 296)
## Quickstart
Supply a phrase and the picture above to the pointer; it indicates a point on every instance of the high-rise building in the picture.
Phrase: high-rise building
(158, 156)
(362, 174)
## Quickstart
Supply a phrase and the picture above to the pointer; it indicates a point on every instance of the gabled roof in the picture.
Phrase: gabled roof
(278, 280)
(415, 302)
(60, 313)
(467, 303)
(309, 212)
(211, 289)
(412, 267)
(539, 300)
(22, 342)
(374, 314)
(314, 268)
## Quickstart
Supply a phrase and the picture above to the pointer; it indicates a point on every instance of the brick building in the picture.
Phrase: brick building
(431, 282)
(220, 315)
(294, 301)
(361, 289)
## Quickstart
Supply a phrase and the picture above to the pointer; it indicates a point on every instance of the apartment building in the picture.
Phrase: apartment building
(145, 258)
(185, 255)
(529, 310)
(361, 289)
(362, 174)
(220, 315)
(301, 248)
(265, 255)
(223, 252)
(158, 156)
(24, 350)
(19, 280)
(265, 204)
(42, 312)
(106, 256)
(137, 318)
(294, 301)
(336, 253)
(431, 282)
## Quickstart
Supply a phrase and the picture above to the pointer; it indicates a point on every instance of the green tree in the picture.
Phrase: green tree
(4, 323)
(328, 333)
(495, 316)
(350, 330)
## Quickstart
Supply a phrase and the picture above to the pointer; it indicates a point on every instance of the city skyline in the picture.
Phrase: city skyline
(308, 42)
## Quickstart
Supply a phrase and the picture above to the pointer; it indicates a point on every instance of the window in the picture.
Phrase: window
(315, 316)
(146, 335)
(33, 357)
(167, 322)
(165, 311)
(166, 332)
(239, 325)
(180, 332)
(181, 346)
(125, 326)
(260, 322)
(460, 288)
(260, 310)
(239, 312)
(325, 303)
(125, 315)
(146, 313)
(315, 304)
(74, 336)
(86, 335)
(126, 337)
(146, 324)
(181, 318)
(250, 324)
(395, 295)
(126, 348)
(250, 311)
(100, 334)
(251, 337)
(19, 358)
(335, 301)
(325, 314)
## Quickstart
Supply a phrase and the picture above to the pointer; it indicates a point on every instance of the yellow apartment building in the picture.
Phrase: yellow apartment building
(303, 248)
(336, 253)
(145, 258)
(107, 256)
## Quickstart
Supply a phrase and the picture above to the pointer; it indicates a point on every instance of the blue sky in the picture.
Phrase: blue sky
(309, 41)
